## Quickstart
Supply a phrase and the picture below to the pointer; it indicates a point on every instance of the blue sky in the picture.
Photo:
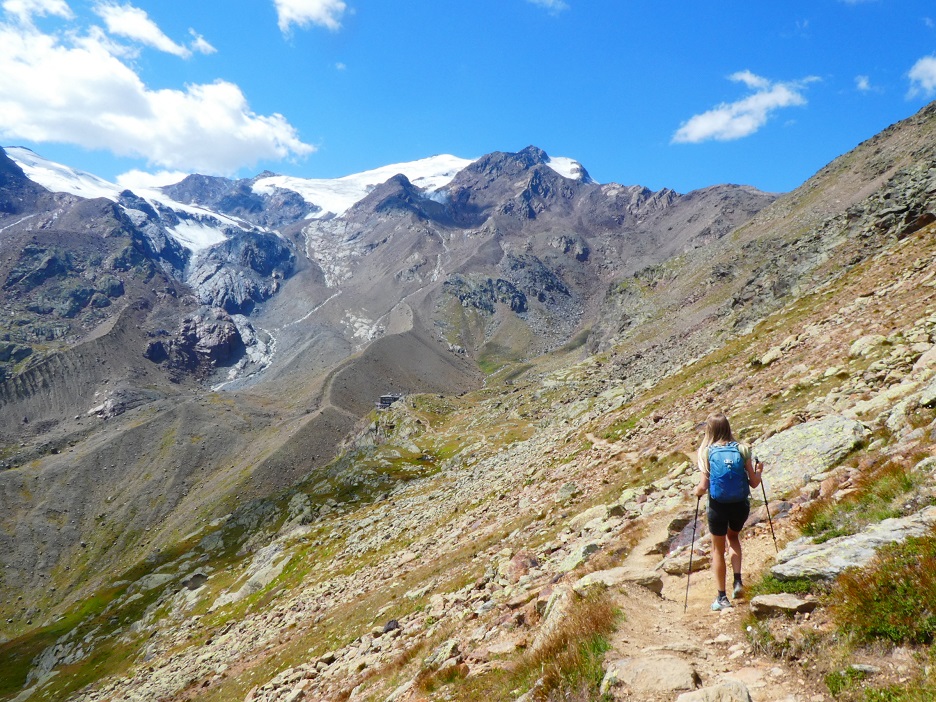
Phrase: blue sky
(679, 95)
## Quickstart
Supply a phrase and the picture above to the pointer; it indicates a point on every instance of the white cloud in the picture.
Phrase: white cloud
(554, 6)
(25, 10)
(754, 82)
(923, 77)
(141, 180)
(863, 83)
(302, 13)
(744, 117)
(77, 90)
(200, 45)
(133, 23)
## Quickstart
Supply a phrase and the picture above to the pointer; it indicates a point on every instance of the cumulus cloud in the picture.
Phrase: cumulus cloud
(25, 10)
(744, 117)
(133, 23)
(76, 89)
(302, 13)
(923, 77)
(554, 6)
(863, 83)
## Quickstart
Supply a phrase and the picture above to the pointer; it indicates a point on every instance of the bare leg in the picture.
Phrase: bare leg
(718, 561)
(734, 543)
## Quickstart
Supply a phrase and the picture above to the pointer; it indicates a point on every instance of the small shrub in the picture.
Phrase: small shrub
(793, 647)
(894, 598)
(770, 584)
(841, 680)
(566, 667)
(879, 495)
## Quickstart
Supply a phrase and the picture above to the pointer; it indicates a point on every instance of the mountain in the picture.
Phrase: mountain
(194, 474)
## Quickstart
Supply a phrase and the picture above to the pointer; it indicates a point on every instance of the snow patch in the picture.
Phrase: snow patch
(60, 179)
(335, 196)
(197, 235)
(567, 168)
(363, 328)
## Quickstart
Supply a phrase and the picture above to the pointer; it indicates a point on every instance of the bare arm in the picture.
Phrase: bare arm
(754, 470)
(702, 487)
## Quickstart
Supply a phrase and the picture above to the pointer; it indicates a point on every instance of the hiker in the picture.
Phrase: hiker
(728, 474)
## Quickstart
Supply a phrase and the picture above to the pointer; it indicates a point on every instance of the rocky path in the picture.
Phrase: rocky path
(661, 652)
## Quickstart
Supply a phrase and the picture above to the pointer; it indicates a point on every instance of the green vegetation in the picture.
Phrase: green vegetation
(769, 584)
(879, 494)
(841, 680)
(893, 598)
(853, 685)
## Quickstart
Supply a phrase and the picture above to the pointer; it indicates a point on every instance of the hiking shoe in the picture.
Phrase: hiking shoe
(738, 590)
(721, 602)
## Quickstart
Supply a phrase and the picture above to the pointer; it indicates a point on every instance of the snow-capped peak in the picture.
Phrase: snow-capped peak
(61, 179)
(569, 168)
(196, 229)
(335, 196)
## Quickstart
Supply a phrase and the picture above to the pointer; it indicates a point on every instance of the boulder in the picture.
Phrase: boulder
(445, 651)
(651, 674)
(577, 557)
(792, 457)
(557, 608)
(727, 691)
(804, 559)
(784, 603)
(926, 360)
(678, 563)
(568, 492)
(865, 345)
(928, 396)
(266, 566)
(620, 576)
(773, 354)
(582, 518)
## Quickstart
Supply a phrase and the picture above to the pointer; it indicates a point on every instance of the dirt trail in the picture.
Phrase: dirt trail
(656, 629)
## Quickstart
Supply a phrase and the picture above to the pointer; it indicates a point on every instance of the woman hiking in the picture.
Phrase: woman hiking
(728, 474)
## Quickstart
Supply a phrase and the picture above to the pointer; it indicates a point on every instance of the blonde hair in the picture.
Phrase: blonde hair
(717, 429)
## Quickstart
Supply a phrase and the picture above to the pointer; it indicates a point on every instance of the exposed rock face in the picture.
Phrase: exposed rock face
(241, 272)
(792, 457)
(805, 559)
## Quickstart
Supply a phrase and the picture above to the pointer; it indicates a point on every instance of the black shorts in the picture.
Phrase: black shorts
(723, 516)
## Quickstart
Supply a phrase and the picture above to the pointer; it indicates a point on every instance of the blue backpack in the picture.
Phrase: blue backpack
(728, 480)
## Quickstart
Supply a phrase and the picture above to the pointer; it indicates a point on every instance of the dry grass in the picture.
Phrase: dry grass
(567, 666)
(879, 493)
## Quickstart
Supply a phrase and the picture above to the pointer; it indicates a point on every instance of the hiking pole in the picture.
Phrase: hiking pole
(767, 507)
(691, 547)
